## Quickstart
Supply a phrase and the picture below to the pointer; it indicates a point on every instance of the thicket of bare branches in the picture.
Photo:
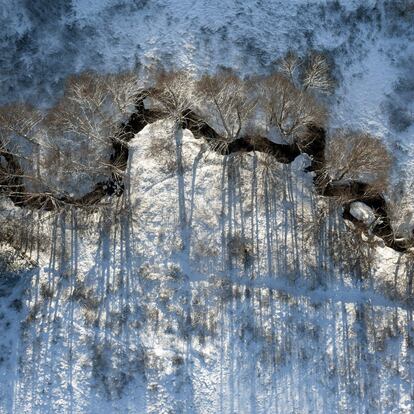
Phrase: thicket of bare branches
(290, 66)
(357, 156)
(19, 121)
(312, 73)
(73, 139)
(317, 74)
(20, 137)
(352, 252)
(76, 137)
(289, 109)
(350, 249)
(163, 150)
(174, 93)
(227, 101)
(22, 232)
(88, 117)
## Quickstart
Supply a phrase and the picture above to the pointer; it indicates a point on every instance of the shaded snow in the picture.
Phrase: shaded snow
(205, 295)
(213, 291)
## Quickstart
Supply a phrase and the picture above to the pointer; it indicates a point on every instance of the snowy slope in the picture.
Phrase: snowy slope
(370, 44)
(216, 285)
(205, 295)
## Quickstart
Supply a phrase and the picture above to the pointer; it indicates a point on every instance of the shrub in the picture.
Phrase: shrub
(163, 149)
(240, 249)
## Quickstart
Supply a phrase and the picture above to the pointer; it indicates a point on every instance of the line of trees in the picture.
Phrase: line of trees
(283, 104)
(75, 138)
(69, 148)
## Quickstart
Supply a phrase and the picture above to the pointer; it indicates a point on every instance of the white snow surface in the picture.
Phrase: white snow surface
(362, 212)
(370, 44)
(205, 294)
(213, 291)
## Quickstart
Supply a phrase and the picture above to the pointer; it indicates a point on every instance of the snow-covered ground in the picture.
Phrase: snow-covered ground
(370, 42)
(217, 284)
(212, 289)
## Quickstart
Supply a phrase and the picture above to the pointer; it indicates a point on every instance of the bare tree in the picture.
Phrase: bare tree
(20, 131)
(174, 94)
(85, 123)
(228, 101)
(290, 66)
(74, 139)
(94, 105)
(19, 121)
(310, 73)
(357, 156)
(288, 109)
(317, 74)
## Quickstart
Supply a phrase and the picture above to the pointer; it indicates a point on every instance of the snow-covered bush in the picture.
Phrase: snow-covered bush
(46, 12)
(400, 118)
(399, 106)
(400, 15)
(83, 295)
(240, 250)
(114, 369)
(162, 148)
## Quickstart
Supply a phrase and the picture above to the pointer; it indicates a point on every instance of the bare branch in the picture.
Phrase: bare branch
(229, 102)
(357, 156)
(288, 109)
(317, 74)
